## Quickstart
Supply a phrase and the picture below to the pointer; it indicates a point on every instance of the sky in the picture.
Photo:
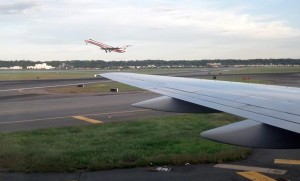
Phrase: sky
(46, 30)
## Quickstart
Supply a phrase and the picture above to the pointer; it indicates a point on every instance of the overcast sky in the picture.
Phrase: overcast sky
(43, 30)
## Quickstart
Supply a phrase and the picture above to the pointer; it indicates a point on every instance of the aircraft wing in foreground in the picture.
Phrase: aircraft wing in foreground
(107, 48)
(272, 112)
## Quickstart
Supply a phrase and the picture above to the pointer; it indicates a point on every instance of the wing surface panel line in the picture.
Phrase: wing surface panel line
(244, 113)
(231, 100)
(233, 106)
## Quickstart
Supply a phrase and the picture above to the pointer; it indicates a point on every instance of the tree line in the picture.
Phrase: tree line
(143, 63)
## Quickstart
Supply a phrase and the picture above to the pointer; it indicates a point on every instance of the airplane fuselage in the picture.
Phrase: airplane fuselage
(105, 47)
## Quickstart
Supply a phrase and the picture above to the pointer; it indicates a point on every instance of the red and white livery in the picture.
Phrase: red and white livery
(107, 48)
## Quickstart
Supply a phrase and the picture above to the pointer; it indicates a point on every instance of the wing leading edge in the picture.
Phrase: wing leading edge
(273, 119)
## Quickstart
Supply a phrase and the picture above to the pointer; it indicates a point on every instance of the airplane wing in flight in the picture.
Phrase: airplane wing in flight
(107, 48)
(272, 112)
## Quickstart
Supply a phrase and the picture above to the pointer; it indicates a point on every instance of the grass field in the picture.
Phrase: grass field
(92, 88)
(47, 74)
(160, 141)
(240, 79)
(256, 70)
(105, 87)
(71, 74)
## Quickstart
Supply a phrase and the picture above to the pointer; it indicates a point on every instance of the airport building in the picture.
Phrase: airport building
(11, 68)
(40, 66)
(214, 65)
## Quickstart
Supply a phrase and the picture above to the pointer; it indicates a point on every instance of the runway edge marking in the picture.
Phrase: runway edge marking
(288, 162)
(248, 168)
(82, 118)
(255, 176)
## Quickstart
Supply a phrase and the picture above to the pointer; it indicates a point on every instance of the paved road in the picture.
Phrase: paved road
(21, 111)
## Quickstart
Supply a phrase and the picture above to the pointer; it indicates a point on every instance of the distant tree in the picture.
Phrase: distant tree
(157, 63)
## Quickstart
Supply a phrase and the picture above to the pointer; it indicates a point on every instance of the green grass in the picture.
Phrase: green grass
(46, 74)
(71, 74)
(240, 79)
(256, 70)
(92, 88)
(160, 141)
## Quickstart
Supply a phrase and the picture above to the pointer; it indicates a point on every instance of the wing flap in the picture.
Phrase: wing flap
(254, 134)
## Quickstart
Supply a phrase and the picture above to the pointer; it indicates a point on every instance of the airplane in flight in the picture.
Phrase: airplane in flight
(272, 112)
(107, 48)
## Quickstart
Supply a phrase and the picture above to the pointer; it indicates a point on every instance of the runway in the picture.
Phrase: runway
(17, 84)
(30, 112)
(21, 111)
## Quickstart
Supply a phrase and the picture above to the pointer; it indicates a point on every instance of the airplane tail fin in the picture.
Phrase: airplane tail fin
(124, 47)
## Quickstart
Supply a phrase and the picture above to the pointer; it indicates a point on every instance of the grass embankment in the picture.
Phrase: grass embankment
(165, 140)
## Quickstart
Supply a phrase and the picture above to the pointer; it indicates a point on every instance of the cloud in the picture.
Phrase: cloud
(227, 22)
(157, 29)
(118, 18)
(16, 8)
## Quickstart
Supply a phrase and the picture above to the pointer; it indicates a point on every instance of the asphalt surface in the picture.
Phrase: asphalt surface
(203, 172)
(28, 112)
(21, 111)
